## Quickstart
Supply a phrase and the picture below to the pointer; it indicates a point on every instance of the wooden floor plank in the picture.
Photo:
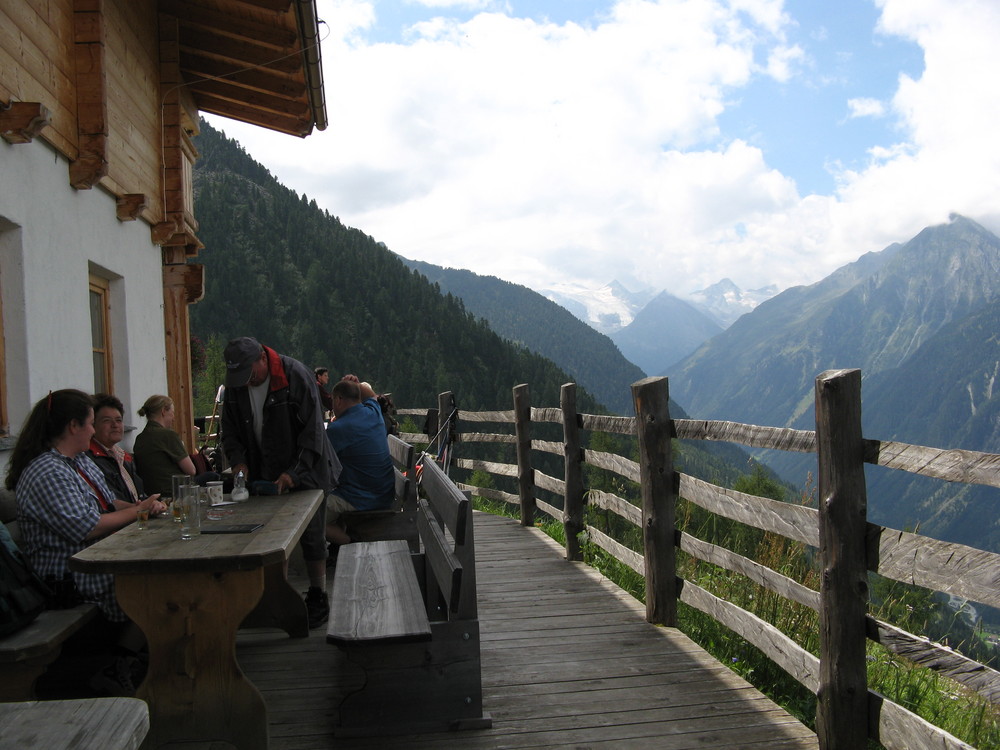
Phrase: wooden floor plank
(568, 662)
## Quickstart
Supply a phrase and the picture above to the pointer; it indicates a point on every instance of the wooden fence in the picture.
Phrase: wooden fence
(847, 545)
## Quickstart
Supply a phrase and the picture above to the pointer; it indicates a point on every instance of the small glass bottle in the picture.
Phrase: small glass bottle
(240, 492)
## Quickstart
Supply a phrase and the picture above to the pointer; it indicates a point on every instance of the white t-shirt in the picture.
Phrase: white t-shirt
(258, 395)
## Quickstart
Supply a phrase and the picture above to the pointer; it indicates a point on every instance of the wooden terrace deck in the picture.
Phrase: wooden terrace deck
(568, 662)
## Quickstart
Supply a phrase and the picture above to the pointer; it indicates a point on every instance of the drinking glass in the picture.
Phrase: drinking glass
(191, 503)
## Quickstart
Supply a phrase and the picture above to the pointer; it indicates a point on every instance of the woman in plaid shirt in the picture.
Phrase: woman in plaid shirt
(63, 502)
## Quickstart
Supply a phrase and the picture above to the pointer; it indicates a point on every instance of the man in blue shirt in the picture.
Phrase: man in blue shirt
(357, 434)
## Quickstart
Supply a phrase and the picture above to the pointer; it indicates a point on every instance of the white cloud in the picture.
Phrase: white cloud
(462, 4)
(865, 107)
(543, 152)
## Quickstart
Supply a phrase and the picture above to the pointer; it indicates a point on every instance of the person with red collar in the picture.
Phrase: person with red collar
(117, 464)
(273, 431)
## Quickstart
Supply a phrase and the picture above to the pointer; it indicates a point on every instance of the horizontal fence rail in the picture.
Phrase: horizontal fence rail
(906, 557)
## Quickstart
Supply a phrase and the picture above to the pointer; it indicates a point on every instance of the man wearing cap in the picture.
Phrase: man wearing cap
(272, 430)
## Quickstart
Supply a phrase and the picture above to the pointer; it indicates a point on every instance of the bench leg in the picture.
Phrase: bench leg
(195, 689)
(429, 686)
(280, 607)
(19, 678)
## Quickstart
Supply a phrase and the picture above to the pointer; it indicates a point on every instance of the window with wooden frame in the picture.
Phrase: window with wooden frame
(100, 334)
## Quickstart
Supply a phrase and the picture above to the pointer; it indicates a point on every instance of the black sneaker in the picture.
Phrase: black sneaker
(317, 607)
(117, 678)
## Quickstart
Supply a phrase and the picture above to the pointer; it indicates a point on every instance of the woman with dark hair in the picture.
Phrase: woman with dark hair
(64, 504)
(115, 463)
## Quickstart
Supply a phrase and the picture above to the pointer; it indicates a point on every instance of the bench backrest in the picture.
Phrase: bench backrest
(445, 526)
(403, 459)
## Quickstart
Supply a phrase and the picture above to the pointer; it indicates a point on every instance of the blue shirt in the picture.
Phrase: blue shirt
(358, 437)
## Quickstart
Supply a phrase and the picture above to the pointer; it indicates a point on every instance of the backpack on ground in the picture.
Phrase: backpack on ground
(22, 593)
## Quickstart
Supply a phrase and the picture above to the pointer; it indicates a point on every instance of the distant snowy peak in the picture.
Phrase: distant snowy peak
(607, 309)
(725, 302)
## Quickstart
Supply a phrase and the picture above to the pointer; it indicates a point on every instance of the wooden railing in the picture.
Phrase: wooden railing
(847, 545)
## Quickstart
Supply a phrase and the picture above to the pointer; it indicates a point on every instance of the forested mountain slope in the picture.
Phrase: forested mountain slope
(279, 268)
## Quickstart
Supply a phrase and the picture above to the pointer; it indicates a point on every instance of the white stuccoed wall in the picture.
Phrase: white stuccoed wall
(51, 238)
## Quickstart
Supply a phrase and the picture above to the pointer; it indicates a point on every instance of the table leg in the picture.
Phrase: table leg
(281, 606)
(194, 686)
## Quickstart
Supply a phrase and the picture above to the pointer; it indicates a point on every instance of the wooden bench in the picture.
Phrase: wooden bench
(106, 723)
(409, 620)
(399, 521)
(26, 654)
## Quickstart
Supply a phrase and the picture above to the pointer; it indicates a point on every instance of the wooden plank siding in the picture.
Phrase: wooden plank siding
(34, 41)
(568, 662)
(133, 107)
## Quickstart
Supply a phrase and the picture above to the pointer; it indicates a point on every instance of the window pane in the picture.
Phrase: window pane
(97, 319)
(100, 374)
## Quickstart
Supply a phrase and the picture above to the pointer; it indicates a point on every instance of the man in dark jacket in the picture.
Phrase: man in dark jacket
(272, 430)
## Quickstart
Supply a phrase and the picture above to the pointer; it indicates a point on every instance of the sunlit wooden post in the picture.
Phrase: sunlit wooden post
(651, 397)
(842, 709)
(573, 461)
(446, 405)
(525, 472)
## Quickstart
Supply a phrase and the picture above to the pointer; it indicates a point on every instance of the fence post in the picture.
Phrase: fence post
(525, 473)
(446, 428)
(651, 397)
(842, 707)
(573, 500)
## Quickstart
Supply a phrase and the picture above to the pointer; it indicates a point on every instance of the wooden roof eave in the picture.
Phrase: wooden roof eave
(257, 61)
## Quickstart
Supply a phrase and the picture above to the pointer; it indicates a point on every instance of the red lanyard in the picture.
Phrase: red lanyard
(106, 507)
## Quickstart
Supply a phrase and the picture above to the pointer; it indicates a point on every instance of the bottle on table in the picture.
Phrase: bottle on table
(240, 492)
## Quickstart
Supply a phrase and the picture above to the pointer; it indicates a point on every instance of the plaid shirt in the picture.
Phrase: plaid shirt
(56, 509)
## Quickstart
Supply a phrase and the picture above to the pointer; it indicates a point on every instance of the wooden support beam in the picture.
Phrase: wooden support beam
(194, 16)
(163, 232)
(91, 163)
(188, 276)
(279, 6)
(177, 291)
(20, 122)
(130, 206)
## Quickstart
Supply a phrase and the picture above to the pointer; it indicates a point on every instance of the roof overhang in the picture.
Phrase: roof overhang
(257, 61)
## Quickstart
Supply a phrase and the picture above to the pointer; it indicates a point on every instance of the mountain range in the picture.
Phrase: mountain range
(527, 318)
(655, 330)
(606, 309)
(663, 332)
(919, 319)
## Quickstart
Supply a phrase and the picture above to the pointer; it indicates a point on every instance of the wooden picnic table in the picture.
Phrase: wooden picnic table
(191, 596)
(107, 723)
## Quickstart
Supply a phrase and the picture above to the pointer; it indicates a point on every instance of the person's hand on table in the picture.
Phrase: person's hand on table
(153, 504)
(284, 483)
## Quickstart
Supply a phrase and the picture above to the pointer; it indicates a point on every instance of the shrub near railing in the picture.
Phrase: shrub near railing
(833, 621)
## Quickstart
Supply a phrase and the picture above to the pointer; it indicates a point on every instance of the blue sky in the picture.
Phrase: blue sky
(665, 143)
(803, 125)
